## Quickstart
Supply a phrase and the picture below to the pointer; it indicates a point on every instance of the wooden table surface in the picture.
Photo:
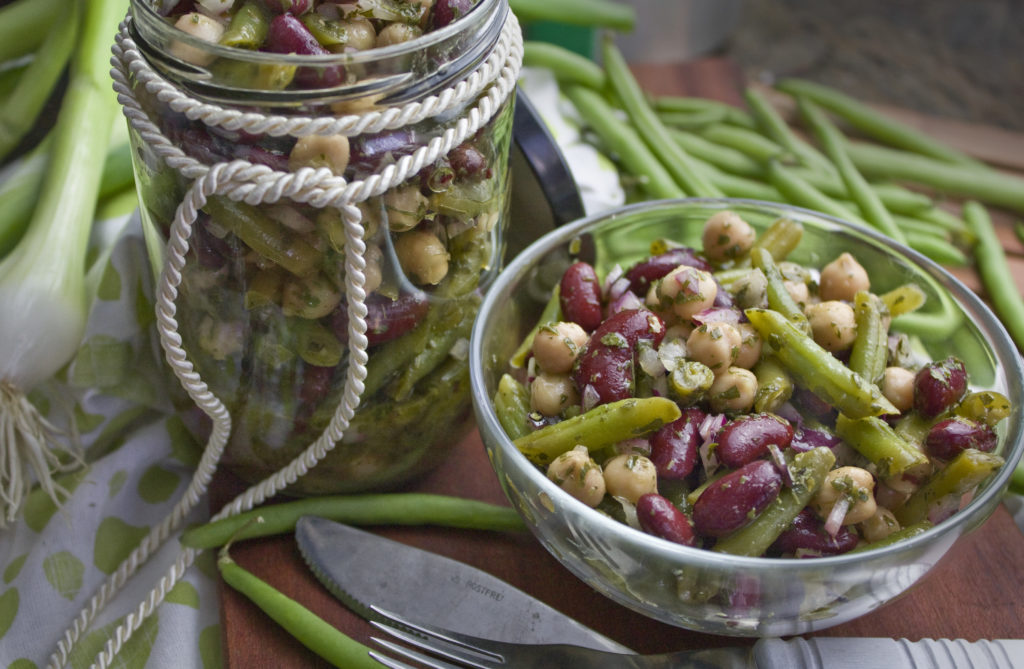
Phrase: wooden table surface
(975, 592)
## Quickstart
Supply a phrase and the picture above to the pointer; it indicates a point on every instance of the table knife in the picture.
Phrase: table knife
(363, 569)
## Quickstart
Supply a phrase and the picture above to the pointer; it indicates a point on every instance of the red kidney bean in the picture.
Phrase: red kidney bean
(296, 7)
(642, 274)
(939, 385)
(287, 34)
(446, 11)
(732, 501)
(469, 162)
(747, 438)
(808, 533)
(580, 296)
(674, 446)
(607, 361)
(261, 156)
(211, 251)
(814, 406)
(183, 7)
(386, 319)
(660, 517)
(367, 153)
(948, 437)
(809, 438)
(316, 383)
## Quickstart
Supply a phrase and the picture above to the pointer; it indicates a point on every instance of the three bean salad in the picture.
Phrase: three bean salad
(727, 399)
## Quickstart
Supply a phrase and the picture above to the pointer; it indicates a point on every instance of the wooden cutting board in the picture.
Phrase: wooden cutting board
(974, 593)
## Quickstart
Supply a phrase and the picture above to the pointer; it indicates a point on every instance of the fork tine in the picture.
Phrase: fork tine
(439, 646)
(480, 647)
(408, 653)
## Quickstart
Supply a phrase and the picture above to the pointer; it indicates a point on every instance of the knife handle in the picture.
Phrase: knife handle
(860, 653)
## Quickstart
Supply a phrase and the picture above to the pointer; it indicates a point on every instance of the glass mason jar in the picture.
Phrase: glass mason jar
(261, 307)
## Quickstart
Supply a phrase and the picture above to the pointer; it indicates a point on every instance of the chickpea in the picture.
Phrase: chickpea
(201, 27)
(750, 346)
(423, 257)
(833, 324)
(726, 236)
(330, 151)
(798, 290)
(397, 33)
(630, 476)
(405, 206)
(898, 387)
(361, 35)
(310, 297)
(373, 273)
(714, 344)
(853, 484)
(879, 526)
(576, 473)
(750, 290)
(556, 346)
(550, 394)
(842, 278)
(733, 391)
(687, 290)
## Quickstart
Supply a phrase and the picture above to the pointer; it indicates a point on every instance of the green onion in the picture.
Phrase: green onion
(42, 282)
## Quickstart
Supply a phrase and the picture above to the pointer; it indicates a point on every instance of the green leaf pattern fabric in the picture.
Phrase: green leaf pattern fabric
(139, 463)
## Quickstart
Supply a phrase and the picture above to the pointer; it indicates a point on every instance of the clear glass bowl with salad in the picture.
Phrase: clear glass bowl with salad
(261, 308)
(743, 418)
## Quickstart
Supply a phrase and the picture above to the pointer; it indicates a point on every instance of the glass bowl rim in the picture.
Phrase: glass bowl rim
(1003, 349)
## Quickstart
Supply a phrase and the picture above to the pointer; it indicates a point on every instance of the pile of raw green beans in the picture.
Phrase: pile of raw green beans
(889, 176)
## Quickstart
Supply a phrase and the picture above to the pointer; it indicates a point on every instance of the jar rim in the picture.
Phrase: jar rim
(150, 29)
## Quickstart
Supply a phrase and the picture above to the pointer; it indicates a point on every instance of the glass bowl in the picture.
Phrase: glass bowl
(694, 588)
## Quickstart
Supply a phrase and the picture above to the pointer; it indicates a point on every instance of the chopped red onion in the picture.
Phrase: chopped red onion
(708, 430)
(629, 511)
(625, 301)
(590, 397)
(614, 277)
(837, 515)
(650, 362)
(718, 315)
(637, 445)
(780, 463)
(788, 412)
(943, 508)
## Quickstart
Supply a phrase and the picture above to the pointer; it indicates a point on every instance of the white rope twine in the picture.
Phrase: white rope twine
(489, 85)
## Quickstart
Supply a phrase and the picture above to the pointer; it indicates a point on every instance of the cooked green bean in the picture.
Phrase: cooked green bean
(512, 406)
(267, 237)
(832, 141)
(601, 427)
(817, 369)
(780, 238)
(776, 127)
(899, 535)
(962, 474)
(774, 385)
(369, 509)
(552, 313)
(437, 348)
(306, 627)
(990, 260)
(568, 66)
(870, 347)
(903, 299)
(808, 470)
(250, 24)
(779, 298)
(627, 90)
(623, 141)
(873, 438)
(871, 122)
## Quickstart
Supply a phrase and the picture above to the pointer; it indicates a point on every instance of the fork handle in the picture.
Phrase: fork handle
(860, 652)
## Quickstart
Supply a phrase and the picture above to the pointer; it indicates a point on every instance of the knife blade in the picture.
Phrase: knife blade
(363, 569)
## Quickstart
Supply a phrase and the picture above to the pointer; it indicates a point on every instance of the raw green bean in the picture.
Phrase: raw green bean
(899, 535)
(306, 627)
(776, 128)
(997, 188)
(779, 298)
(744, 140)
(512, 407)
(249, 26)
(990, 260)
(780, 238)
(873, 438)
(896, 198)
(267, 237)
(817, 369)
(601, 427)
(961, 475)
(870, 349)
(799, 192)
(722, 157)
(24, 24)
(690, 120)
(568, 66)
(937, 249)
(730, 113)
(369, 509)
(552, 314)
(9, 77)
(589, 13)
(624, 142)
(808, 470)
(741, 187)
(871, 122)
(832, 141)
(627, 89)
(774, 386)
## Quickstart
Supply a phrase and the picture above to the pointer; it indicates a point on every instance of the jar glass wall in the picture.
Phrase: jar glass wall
(261, 307)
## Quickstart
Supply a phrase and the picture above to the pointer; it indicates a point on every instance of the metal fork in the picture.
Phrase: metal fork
(444, 647)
